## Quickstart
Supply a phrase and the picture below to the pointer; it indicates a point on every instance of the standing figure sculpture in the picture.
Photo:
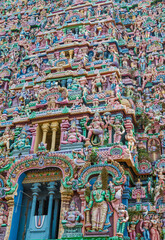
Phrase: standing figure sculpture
(123, 218)
(96, 128)
(5, 139)
(154, 231)
(119, 130)
(97, 83)
(131, 140)
(132, 227)
(145, 226)
(98, 205)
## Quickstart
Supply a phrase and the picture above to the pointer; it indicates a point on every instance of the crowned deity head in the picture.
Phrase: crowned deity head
(97, 117)
(72, 206)
(98, 184)
(73, 128)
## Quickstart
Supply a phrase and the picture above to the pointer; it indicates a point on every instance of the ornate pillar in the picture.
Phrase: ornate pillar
(54, 126)
(10, 203)
(66, 196)
(33, 130)
(45, 128)
(35, 189)
(51, 188)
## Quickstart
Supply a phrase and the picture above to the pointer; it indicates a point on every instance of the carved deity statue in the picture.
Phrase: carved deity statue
(145, 225)
(97, 83)
(5, 139)
(123, 218)
(139, 192)
(73, 216)
(98, 205)
(119, 130)
(96, 128)
(52, 103)
(22, 142)
(132, 227)
(131, 140)
(73, 135)
(154, 231)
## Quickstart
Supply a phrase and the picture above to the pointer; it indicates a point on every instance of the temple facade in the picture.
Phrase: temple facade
(82, 120)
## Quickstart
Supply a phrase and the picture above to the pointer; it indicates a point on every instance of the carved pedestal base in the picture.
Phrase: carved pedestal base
(16, 152)
(72, 145)
(71, 232)
(96, 234)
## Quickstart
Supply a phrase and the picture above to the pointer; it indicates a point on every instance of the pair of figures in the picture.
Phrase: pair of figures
(150, 228)
(97, 126)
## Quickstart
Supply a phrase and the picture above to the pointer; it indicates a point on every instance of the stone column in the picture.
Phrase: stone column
(35, 189)
(54, 126)
(45, 128)
(66, 196)
(51, 188)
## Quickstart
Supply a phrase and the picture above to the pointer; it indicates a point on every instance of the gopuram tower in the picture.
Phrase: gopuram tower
(82, 120)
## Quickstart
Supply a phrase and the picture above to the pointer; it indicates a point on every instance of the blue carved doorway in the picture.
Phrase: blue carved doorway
(40, 205)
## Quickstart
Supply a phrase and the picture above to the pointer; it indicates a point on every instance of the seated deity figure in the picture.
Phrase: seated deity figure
(96, 128)
(98, 205)
(73, 135)
(21, 144)
(73, 216)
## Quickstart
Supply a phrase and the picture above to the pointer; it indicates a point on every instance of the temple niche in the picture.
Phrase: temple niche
(82, 120)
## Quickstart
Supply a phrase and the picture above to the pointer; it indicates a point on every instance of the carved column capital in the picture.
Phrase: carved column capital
(45, 127)
(54, 125)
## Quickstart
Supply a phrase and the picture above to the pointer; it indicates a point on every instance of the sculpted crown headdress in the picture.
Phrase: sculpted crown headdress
(99, 178)
(97, 114)
(73, 204)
